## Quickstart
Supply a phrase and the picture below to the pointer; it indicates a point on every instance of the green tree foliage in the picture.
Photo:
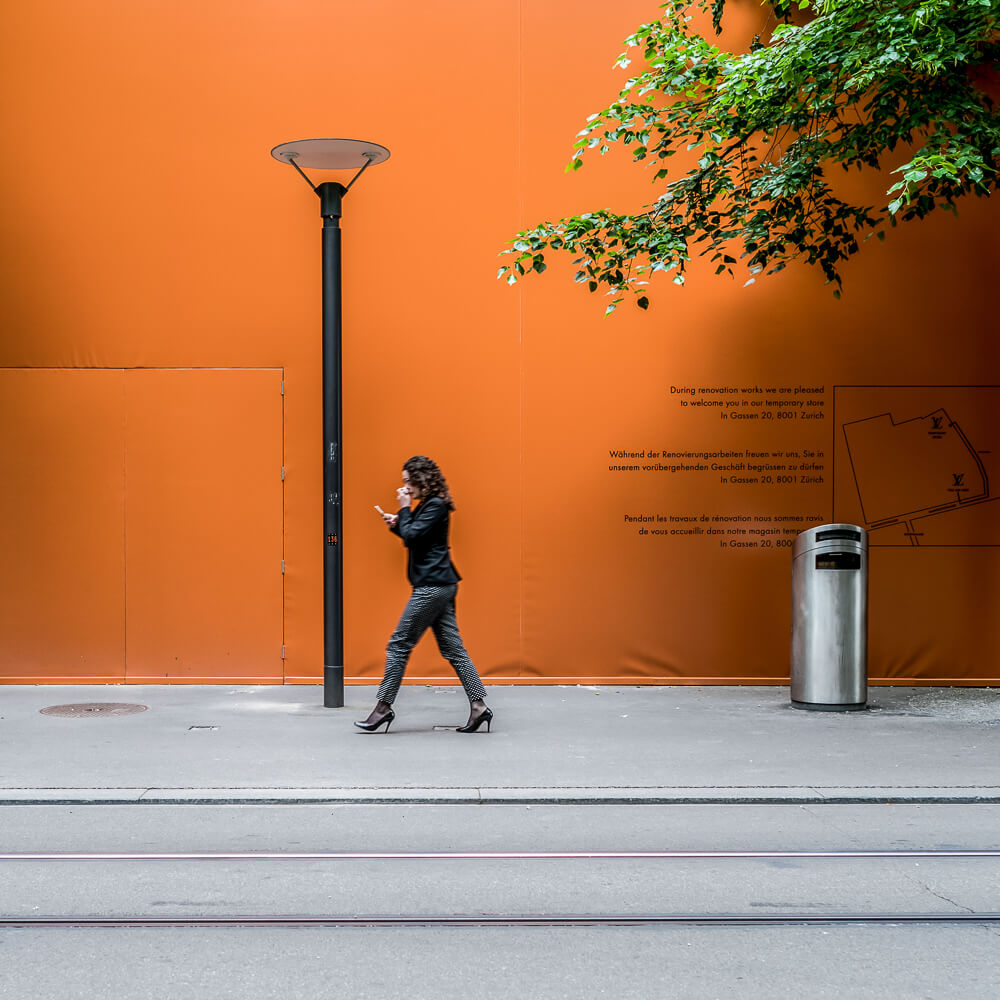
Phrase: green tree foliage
(839, 82)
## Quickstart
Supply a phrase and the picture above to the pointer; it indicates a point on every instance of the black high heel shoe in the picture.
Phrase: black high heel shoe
(371, 727)
(486, 715)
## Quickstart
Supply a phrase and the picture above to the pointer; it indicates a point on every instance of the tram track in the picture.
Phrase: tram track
(537, 920)
(499, 920)
(487, 855)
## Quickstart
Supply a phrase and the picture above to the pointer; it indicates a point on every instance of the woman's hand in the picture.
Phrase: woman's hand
(390, 519)
(403, 496)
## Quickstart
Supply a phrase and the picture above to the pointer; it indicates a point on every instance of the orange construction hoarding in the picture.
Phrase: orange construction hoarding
(627, 488)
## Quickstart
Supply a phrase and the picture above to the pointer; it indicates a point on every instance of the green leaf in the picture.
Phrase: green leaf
(846, 86)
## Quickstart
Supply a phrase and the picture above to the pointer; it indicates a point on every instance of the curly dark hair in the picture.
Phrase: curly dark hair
(427, 477)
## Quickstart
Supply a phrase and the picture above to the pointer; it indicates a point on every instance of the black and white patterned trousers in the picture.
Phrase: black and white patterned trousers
(434, 608)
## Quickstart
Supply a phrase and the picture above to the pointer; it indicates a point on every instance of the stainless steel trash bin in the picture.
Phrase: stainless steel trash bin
(830, 618)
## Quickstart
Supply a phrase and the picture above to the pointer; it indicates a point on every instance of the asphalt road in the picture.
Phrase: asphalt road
(689, 961)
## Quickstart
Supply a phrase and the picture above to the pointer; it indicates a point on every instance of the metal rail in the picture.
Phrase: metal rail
(538, 920)
(487, 855)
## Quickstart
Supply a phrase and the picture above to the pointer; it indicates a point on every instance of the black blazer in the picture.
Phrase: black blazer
(424, 531)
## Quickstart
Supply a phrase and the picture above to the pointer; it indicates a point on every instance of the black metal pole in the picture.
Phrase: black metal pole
(330, 196)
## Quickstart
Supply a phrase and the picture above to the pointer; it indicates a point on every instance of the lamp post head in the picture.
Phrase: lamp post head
(330, 154)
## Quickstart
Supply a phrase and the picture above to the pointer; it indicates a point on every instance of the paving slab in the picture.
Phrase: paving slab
(567, 744)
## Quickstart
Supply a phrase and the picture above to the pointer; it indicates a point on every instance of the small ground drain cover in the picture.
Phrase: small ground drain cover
(93, 708)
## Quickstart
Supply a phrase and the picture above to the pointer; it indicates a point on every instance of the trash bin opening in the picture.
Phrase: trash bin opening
(854, 536)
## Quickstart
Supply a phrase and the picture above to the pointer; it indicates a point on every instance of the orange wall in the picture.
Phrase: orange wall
(146, 227)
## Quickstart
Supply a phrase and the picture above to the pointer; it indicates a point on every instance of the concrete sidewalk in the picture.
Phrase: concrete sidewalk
(219, 744)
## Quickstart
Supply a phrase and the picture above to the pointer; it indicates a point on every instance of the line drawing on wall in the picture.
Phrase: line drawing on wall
(915, 464)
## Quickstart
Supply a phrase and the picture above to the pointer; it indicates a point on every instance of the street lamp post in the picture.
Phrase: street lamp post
(332, 154)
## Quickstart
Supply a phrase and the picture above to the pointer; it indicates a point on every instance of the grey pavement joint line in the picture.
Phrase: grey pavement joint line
(489, 795)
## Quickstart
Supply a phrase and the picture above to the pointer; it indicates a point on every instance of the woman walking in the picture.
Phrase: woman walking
(434, 579)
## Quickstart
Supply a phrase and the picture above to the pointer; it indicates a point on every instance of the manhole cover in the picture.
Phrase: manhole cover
(93, 708)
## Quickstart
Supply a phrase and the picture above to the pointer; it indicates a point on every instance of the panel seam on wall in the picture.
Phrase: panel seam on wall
(143, 368)
(124, 647)
(520, 335)
(283, 575)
